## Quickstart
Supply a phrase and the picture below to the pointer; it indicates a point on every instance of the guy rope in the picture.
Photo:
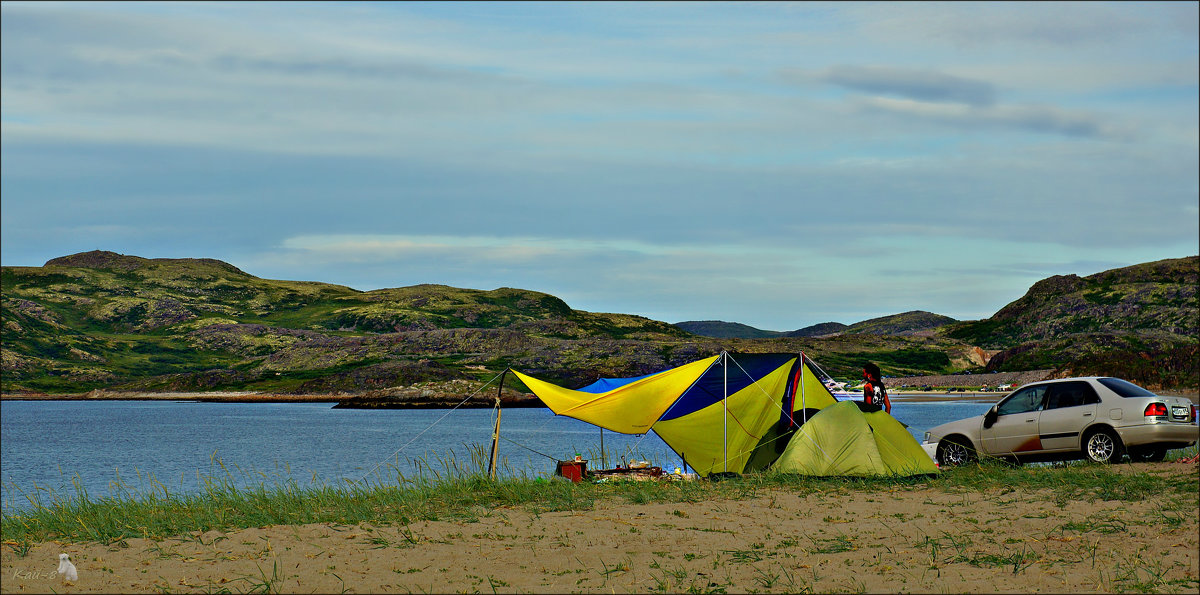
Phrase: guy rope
(439, 420)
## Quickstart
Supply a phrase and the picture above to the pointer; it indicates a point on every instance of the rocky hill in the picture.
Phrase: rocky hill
(824, 329)
(719, 329)
(1141, 321)
(106, 321)
(909, 323)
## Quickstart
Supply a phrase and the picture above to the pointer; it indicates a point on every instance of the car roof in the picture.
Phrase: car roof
(1052, 380)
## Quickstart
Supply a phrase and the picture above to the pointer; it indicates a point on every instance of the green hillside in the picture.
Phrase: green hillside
(818, 330)
(907, 323)
(101, 320)
(719, 329)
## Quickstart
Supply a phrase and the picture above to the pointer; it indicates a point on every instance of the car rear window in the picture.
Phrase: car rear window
(1125, 388)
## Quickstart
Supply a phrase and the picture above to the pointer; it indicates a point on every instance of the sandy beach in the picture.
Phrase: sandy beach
(909, 539)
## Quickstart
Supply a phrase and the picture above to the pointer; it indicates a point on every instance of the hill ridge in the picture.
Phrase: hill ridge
(104, 259)
(103, 320)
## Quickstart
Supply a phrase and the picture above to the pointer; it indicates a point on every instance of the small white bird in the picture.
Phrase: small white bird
(66, 569)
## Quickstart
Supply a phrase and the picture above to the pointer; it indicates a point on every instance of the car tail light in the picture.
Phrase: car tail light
(1156, 410)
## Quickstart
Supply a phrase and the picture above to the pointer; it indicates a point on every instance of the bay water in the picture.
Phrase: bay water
(123, 448)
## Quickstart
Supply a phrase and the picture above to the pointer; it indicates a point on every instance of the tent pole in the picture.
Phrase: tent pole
(725, 404)
(603, 459)
(803, 404)
(496, 430)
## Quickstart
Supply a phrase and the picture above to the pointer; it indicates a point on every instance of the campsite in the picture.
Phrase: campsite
(794, 491)
(730, 414)
(599, 297)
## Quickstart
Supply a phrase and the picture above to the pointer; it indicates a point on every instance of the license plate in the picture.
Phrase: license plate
(1180, 411)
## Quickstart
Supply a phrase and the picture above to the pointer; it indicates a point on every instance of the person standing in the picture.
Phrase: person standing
(874, 392)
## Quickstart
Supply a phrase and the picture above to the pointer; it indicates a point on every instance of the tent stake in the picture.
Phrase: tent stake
(496, 430)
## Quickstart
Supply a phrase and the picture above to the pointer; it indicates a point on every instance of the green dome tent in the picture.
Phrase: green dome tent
(850, 438)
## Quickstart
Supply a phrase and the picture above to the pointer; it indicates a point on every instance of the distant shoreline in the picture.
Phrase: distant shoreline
(254, 397)
(215, 397)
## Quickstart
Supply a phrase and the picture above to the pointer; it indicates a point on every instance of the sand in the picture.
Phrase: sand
(904, 540)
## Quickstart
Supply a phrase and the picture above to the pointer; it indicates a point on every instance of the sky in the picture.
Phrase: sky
(774, 164)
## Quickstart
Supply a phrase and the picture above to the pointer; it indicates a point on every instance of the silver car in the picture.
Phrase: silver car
(1098, 419)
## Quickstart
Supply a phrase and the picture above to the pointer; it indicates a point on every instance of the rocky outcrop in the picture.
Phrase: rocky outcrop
(437, 395)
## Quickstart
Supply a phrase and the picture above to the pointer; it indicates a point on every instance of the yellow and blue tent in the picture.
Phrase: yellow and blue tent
(725, 413)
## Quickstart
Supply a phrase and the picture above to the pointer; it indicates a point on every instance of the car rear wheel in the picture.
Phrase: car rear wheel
(1103, 446)
(1147, 454)
(953, 452)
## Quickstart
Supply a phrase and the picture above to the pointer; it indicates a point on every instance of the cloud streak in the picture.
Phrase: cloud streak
(1040, 119)
(918, 85)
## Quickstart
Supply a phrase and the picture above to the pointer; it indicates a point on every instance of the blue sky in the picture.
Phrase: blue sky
(775, 164)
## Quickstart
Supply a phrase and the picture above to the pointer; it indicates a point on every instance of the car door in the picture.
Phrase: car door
(1016, 427)
(1070, 407)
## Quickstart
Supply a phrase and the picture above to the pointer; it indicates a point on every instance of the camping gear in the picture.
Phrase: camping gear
(646, 473)
(573, 470)
(724, 414)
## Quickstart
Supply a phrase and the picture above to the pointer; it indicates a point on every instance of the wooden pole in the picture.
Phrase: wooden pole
(496, 430)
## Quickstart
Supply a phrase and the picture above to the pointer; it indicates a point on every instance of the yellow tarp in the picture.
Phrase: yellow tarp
(630, 409)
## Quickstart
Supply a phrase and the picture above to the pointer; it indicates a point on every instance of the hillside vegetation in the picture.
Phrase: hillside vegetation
(1138, 322)
(719, 329)
(101, 320)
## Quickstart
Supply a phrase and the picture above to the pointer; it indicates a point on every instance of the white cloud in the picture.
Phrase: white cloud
(1042, 119)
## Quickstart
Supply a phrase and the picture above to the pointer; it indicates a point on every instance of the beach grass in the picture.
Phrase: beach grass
(449, 489)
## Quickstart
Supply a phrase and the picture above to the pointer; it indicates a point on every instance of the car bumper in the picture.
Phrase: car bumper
(931, 450)
(1186, 434)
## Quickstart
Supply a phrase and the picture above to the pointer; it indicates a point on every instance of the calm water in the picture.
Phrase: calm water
(98, 444)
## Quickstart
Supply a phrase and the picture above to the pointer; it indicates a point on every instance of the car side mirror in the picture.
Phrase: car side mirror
(990, 418)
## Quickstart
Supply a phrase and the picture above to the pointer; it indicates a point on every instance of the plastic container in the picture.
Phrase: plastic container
(572, 470)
